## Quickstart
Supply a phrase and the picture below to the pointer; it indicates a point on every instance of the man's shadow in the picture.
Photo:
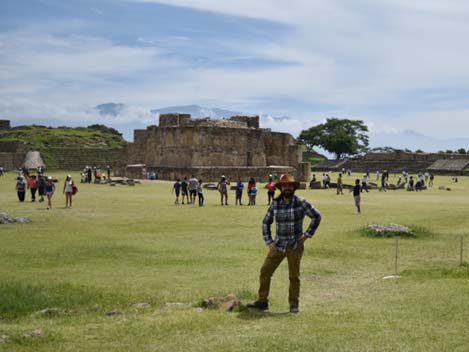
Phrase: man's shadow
(253, 314)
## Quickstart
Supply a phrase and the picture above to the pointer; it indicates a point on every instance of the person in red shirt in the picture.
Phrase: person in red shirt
(32, 185)
(270, 190)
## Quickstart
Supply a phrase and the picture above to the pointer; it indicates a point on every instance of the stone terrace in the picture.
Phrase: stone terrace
(398, 161)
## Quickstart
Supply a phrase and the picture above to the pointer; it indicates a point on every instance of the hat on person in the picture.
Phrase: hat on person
(287, 179)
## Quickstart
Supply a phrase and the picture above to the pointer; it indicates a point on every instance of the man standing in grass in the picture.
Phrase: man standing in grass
(184, 185)
(340, 187)
(288, 211)
(356, 195)
(193, 184)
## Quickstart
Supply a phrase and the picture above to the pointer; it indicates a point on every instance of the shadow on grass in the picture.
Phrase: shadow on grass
(252, 314)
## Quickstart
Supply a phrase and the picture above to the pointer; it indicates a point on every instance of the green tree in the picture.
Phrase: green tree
(462, 151)
(339, 136)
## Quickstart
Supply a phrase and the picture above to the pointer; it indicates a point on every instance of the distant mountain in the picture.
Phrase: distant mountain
(413, 140)
(197, 111)
(112, 109)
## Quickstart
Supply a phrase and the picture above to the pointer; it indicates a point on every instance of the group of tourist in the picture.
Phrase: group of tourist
(191, 189)
(42, 185)
(89, 172)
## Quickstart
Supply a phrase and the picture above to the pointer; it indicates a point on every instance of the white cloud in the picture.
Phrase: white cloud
(392, 63)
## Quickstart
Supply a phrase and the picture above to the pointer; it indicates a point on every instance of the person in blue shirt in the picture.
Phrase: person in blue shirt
(239, 191)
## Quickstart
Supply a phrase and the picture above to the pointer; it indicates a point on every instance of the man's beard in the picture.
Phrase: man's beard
(288, 193)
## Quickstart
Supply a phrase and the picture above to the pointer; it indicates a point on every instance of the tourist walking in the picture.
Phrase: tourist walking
(50, 189)
(193, 184)
(383, 182)
(32, 186)
(288, 211)
(200, 194)
(357, 195)
(68, 191)
(340, 186)
(41, 187)
(364, 183)
(184, 188)
(223, 189)
(176, 189)
(20, 188)
(270, 190)
(239, 191)
(1, 171)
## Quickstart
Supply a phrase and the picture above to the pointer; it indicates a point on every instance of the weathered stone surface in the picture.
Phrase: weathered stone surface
(5, 219)
(183, 143)
(227, 303)
(315, 185)
(33, 333)
(142, 305)
(113, 312)
(22, 220)
(391, 229)
(398, 161)
(48, 311)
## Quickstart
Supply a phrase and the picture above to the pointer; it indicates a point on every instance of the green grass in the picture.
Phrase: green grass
(122, 245)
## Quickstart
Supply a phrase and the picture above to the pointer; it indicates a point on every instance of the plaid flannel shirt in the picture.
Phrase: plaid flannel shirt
(289, 222)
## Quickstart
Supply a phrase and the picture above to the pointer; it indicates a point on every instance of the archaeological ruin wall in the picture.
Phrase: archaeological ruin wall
(398, 161)
(181, 146)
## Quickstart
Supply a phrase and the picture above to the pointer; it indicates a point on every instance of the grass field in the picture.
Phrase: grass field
(123, 245)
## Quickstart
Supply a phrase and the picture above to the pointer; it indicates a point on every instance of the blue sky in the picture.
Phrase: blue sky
(396, 64)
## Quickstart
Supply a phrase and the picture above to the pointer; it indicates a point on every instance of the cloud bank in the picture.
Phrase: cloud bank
(394, 64)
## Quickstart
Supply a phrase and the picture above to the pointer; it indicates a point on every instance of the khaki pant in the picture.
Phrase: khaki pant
(271, 263)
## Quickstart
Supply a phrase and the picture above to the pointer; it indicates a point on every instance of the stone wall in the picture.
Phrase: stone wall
(78, 158)
(5, 124)
(395, 162)
(12, 154)
(213, 174)
(220, 144)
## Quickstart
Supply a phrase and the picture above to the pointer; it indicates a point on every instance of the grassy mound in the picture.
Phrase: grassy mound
(43, 138)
